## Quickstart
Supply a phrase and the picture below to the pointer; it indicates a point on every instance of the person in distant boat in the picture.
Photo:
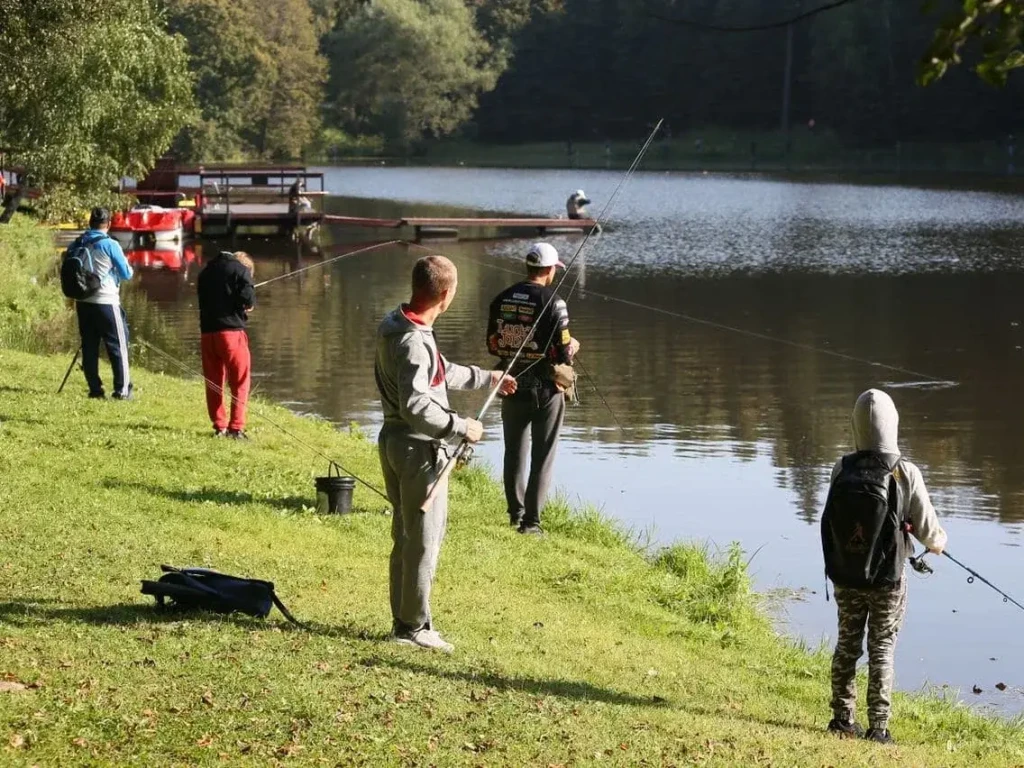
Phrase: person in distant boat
(226, 296)
(534, 414)
(100, 316)
(296, 200)
(413, 379)
(576, 205)
(876, 501)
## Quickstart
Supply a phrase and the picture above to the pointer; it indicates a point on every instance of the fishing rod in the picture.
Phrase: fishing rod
(975, 575)
(464, 445)
(319, 264)
(260, 414)
(325, 262)
(918, 564)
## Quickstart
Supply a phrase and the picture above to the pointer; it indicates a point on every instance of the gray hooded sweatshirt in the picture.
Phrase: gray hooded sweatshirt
(875, 427)
(413, 379)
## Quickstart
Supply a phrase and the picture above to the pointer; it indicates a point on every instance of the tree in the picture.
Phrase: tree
(997, 26)
(295, 91)
(406, 69)
(259, 77)
(92, 89)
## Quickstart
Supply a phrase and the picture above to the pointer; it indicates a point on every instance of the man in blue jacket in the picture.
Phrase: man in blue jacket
(100, 317)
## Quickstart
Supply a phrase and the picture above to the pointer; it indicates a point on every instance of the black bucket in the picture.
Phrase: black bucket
(334, 493)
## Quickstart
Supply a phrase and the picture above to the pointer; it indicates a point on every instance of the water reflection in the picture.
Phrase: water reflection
(729, 435)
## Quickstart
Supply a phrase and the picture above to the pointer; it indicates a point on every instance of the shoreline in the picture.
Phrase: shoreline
(569, 647)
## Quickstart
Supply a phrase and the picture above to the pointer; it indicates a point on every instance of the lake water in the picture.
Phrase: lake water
(730, 324)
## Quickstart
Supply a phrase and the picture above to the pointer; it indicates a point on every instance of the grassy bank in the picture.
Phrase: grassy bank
(573, 649)
(34, 315)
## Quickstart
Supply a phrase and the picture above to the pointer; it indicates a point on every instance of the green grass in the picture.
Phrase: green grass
(573, 649)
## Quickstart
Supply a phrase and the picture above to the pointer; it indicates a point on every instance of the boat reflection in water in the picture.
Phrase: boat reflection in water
(172, 257)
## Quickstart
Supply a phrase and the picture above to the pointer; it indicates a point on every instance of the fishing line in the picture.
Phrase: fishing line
(259, 413)
(745, 332)
(325, 262)
(593, 383)
(460, 451)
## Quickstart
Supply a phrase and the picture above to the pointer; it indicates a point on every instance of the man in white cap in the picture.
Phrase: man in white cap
(544, 374)
(576, 205)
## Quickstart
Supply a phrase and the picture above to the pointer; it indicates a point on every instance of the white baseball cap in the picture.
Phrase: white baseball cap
(580, 193)
(543, 255)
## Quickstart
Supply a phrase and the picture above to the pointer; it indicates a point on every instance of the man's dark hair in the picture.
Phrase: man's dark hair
(536, 271)
(98, 218)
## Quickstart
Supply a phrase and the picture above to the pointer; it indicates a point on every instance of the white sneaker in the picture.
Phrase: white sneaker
(425, 638)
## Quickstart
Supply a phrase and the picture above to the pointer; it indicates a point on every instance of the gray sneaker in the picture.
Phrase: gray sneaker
(424, 638)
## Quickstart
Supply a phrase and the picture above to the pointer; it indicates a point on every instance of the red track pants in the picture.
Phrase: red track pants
(226, 354)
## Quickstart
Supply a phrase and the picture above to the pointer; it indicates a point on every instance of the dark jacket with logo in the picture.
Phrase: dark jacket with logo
(225, 294)
(513, 313)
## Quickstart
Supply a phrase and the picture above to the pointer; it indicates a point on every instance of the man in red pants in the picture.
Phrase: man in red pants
(226, 296)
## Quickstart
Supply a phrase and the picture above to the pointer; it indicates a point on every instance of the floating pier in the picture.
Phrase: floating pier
(450, 227)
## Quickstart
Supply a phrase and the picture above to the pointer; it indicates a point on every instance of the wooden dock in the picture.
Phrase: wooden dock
(450, 227)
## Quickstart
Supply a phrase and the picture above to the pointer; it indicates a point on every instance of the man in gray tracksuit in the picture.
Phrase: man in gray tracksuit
(879, 609)
(413, 379)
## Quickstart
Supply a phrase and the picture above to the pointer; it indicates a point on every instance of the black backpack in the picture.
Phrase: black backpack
(217, 592)
(78, 278)
(864, 534)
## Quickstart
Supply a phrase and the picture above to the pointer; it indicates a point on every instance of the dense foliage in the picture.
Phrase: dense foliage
(91, 89)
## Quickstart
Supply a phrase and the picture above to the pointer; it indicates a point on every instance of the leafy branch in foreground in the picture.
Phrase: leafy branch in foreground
(92, 89)
(997, 26)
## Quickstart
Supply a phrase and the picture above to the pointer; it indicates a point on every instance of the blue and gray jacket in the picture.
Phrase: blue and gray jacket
(109, 263)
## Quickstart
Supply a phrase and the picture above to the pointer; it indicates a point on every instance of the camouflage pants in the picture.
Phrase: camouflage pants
(881, 611)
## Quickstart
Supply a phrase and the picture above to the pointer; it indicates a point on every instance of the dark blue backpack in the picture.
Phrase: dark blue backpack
(78, 277)
(198, 588)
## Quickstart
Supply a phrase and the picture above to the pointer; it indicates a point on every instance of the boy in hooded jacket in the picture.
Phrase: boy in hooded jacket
(881, 609)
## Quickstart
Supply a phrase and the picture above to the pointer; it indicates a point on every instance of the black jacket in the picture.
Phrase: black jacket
(513, 313)
(225, 293)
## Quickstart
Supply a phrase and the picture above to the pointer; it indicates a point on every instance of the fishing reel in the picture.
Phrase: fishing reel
(463, 457)
(920, 565)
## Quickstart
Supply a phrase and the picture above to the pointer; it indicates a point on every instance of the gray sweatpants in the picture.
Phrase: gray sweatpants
(410, 469)
(531, 421)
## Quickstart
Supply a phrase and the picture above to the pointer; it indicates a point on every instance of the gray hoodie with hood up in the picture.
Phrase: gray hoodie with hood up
(875, 428)
(413, 379)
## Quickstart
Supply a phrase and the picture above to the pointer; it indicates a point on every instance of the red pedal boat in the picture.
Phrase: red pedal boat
(150, 225)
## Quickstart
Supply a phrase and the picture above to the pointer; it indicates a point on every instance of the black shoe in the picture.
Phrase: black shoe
(237, 434)
(220, 433)
(531, 530)
(846, 728)
(129, 395)
(515, 520)
(879, 735)
(98, 395)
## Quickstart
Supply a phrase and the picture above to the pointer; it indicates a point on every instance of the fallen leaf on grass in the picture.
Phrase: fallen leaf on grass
(206, 741)
(402, 696)
(9, 686)
(80, 742)
(17, 741)
(288, 750)
(208, 698)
